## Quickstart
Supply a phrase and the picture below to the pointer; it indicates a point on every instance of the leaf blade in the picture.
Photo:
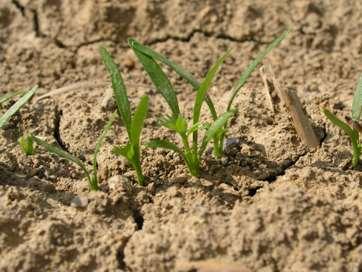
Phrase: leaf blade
(16, 107)
(119, 89)
(138, 121)
(357, 102)
(215, 128)
(252, 66)
(339, 123)
(160, 80)
(182, 72)
(201, 93)
(61, 153)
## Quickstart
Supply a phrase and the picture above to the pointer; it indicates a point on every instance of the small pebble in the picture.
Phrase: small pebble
(79, 202)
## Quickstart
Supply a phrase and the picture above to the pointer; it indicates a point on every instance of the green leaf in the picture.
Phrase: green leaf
(158, 143)
(195, 127)
(157, 56)
(181, 125)
(252, 66)
(119, 89)
(126, 151)
(215, 129)
(63, 154)
(16, 107)
(160, 80)
(99, 144)
(338, 122)
(177, 68)
(26, 144)
(357, 102)
(201, 93)
(138, 121)
(10, 95)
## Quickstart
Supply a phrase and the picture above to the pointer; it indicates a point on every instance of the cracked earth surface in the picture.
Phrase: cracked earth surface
(270, 205)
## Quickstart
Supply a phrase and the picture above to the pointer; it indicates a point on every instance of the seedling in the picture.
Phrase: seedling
(27, 145)
(155, 56)
(190, 152)
(18, 104)
(351, 131)
(134, 126)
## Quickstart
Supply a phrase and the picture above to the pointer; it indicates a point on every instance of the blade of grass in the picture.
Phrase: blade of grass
(352, 133)
(160, 80)
(99, 144)
(120, 91)
(252, 66)
(357, 102)
(201, 93)
(214, 129)
(16, 107)
(65, 155)
(177, 68)
(138, 121)
(10, 95)
(338, 122)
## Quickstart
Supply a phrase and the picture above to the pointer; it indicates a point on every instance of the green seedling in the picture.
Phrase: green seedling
(27, 145)
(191, 152)
(134, 126)
(351, 131)
(219, 138)
(4, 119)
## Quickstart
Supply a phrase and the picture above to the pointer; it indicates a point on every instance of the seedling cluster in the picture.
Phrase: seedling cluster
(191, 147)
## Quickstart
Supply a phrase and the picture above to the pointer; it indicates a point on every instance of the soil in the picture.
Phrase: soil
(271, 204)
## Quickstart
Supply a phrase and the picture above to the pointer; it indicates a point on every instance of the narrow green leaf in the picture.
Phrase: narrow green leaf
(252, 66)
(160, 80)
(4, 98)
(62, 153)
(125, 151)
(138, 121)
(338, 122)
(157, 56)
(119, 89)
(158, 143)
(99, 144)
(216, 128)
(357, 102)
(201, 93)
(181, 125)
(16, 107)
(182, 72)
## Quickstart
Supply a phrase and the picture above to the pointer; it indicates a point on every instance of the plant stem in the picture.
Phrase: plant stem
(356, 149)
(138, 169)
(93, 182)
(218, 146)
(191, 157)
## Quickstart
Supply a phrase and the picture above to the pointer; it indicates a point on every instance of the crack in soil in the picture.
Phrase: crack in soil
(139, 220)
(56, 133)
(19, 7)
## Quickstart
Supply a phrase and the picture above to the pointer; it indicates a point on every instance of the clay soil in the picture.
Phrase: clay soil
(270, 204)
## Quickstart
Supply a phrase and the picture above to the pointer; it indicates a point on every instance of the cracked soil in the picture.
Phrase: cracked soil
(270, 205)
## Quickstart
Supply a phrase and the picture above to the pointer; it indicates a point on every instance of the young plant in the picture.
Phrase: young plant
(4, 119)
(351, 131)
(134, 126)
(219, 138)
(27, 145)
(192, 151)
